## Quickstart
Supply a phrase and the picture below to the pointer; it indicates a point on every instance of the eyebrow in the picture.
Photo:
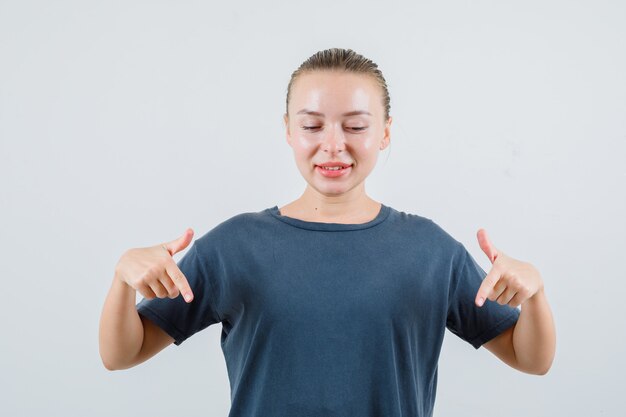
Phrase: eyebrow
(350, 113)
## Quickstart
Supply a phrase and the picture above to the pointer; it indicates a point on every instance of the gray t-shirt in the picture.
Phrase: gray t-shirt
(329, 319)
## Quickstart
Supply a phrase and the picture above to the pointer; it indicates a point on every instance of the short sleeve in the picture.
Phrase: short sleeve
(176, 317)
(476, 325)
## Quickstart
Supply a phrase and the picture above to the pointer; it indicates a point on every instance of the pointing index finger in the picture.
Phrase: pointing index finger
(180, 281)
(487, 287)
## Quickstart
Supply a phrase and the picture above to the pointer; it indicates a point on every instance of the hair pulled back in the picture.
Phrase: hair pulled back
(338, 59)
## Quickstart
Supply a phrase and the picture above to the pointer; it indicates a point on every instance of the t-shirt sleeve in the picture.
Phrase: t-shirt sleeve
(178, 318)
(476, 325)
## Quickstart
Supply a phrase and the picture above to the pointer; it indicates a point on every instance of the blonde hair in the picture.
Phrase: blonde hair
(342, 60)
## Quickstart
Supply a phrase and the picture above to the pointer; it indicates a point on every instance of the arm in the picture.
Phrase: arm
(127, 339)
(530, 344)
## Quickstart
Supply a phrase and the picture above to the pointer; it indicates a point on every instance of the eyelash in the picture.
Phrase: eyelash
(358, 129)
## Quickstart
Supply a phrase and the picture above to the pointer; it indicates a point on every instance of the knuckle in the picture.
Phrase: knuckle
(142, 279)
(146, 292)
(147, 276)
(171, 269)
(171, 288)
(133, 282)
(163, 292)
(154, 270)
(168, 287)
(178, 276)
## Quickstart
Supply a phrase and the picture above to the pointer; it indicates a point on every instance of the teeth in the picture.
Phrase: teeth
(333, 168)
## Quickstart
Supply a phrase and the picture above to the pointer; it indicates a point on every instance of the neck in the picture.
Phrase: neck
(354, 204)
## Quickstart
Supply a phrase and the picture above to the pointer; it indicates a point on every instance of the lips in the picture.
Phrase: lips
(339, 171)
(334, 164)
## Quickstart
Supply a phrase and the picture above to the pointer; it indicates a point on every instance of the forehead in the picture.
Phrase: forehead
(335, 89)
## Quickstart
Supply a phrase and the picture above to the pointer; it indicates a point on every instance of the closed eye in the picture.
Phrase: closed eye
(317, 127)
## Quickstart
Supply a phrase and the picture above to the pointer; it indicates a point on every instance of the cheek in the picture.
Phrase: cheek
(367, 147)
(303, 148)
(306, 143)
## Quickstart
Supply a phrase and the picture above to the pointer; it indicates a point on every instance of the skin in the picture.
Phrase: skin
(335, 138)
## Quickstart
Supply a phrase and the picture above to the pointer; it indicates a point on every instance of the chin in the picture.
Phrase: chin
(332, 190)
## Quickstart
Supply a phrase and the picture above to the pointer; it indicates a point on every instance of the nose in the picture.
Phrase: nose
(333, 141)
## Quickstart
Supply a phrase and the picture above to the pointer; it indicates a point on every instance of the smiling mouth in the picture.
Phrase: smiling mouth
(333, 171)
(334, 168)
(334, 165)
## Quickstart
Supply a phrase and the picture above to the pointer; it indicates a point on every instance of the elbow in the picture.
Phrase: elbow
(544, 370)
(539, 369)
(106, 359)
(113, 360)
(109, 367)
(535, 366)
(108, 364)
(112, 365)
(539, 365)
(540, 372)
(546, 365)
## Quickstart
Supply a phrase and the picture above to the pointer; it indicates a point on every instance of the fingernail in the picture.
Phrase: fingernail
(481, 300)
(188, 297)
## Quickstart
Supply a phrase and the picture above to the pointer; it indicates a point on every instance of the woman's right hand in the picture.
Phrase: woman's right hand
(153, 272)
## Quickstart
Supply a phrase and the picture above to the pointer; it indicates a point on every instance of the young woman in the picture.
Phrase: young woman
(334, 304)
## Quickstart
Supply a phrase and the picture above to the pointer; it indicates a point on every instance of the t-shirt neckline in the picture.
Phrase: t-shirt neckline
(330, 227)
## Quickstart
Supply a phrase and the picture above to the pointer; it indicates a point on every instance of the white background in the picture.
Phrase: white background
(123, 123)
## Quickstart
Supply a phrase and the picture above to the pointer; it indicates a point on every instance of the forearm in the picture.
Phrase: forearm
(121, 329)
(534, 337)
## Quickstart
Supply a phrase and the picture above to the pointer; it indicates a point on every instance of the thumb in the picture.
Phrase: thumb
(486, 246)
(181, 243)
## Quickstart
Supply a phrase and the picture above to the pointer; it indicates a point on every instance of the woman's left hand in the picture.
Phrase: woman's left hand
(509, 281)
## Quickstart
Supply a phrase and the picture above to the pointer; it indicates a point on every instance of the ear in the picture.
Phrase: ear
(287, 133)
(387, 136)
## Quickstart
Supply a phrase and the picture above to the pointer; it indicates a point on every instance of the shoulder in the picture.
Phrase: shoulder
(425, 229)
(241, 226)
